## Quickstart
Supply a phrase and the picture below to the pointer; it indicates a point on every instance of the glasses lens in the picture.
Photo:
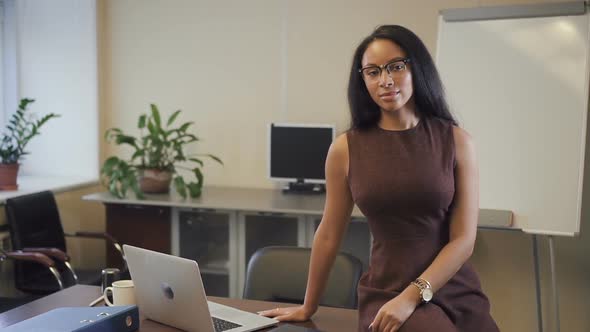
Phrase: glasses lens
(371, 73)
(396, 67)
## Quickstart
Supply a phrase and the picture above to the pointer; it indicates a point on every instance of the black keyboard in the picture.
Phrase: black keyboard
(223, 325)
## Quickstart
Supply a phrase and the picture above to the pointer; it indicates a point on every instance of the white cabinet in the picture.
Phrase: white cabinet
(208, 237)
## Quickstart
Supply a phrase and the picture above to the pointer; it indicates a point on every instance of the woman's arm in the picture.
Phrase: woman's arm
(463, 228)
(326, 242)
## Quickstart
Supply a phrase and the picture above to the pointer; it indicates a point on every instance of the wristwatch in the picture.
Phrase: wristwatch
(425, 288)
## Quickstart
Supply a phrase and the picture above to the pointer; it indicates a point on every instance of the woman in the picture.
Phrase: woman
(414, 175)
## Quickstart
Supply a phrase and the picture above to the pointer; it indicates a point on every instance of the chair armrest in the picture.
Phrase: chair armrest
(29, 256)
(105, 236)
(51, 252)
(98, 235)
(36, 257)
(94, 235)
(58, 255)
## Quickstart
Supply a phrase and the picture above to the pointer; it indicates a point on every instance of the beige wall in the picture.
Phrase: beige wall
(235, 66)
(79, 215)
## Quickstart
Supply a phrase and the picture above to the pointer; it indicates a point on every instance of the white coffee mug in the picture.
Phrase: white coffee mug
(123, 293)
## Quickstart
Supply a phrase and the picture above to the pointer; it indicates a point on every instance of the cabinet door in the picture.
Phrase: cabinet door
(263, 230)
(204, 236)
(138, 225)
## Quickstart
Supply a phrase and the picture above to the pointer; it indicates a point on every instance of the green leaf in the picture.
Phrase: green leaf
(172, 117)
(137, 154)
(111, 133)
(141, 121)
(152, 129)
(125, 182)
(156, 115)
(185, 126)
(194, 189)
(180, 186)
(114, 190)
(124, 139)
(210, 156)
(198, 161)
(199, 176)
(24, 103)
(135, 187)
(109, 164)
(215, 158)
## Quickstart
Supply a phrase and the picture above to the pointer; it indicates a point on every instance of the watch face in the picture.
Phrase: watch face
(427, 294)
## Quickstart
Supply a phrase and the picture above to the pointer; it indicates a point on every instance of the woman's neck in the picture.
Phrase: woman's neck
(401, 119)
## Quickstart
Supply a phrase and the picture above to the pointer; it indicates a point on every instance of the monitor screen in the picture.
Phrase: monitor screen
(298, 152)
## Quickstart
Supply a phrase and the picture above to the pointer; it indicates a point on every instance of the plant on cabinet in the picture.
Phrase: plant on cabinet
(159, 153)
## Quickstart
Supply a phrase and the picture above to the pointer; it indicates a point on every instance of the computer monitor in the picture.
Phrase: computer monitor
(297, 154)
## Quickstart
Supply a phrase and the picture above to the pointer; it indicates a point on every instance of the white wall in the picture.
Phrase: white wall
(234, 66)
(57, 66)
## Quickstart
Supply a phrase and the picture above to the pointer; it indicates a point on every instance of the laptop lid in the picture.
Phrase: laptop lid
(169, 290)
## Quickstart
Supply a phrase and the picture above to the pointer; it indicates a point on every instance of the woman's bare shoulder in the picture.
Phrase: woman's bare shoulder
(462, 137)
(339, 148)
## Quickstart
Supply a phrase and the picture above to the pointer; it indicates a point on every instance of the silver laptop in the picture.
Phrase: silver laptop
(169, 290)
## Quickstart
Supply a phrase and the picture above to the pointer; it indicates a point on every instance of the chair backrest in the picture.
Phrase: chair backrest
(280, 274)
(33, 222)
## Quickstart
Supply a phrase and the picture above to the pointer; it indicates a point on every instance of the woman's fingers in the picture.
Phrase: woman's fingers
(392, 326)
(374, 326)
(284, 314)
(384, 323)
(272, 312)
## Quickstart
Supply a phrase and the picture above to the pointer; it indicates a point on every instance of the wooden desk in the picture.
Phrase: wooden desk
(326, 319)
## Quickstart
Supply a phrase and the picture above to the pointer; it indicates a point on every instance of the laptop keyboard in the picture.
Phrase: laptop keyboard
(223, 325)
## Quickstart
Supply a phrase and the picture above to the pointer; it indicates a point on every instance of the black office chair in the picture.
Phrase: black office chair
(35, 226)
(279, 274)
(7, 303)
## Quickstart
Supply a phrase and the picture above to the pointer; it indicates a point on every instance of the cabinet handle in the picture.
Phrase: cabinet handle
(135, 207)
(270, 214)
(191, 221)
(204, 210)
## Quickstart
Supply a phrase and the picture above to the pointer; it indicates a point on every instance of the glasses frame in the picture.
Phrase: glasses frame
(382, 67)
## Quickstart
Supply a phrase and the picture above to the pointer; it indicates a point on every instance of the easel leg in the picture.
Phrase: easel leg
(554, 283)
(537, 284)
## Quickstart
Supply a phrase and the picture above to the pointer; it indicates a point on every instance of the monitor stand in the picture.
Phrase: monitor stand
(300, 187)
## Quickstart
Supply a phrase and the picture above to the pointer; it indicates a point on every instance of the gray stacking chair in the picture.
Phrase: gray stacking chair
(279, 274)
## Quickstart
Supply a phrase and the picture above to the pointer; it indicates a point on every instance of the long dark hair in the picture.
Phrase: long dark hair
(429, 95)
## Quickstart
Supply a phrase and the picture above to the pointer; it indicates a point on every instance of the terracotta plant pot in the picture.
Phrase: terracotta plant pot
(154, 181)
(8, 174)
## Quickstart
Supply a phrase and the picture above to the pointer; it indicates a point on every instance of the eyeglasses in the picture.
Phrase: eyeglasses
(394, 69)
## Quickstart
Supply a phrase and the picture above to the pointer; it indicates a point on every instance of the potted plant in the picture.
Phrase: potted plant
(158, 155)
(19, 131)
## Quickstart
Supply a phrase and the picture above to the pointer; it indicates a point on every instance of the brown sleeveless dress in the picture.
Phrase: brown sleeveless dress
(404, 183)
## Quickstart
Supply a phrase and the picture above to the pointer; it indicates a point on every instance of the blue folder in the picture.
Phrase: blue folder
(81, 319)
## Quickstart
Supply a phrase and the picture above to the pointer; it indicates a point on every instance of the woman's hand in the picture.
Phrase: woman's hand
(290, 314)
(394, 313)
